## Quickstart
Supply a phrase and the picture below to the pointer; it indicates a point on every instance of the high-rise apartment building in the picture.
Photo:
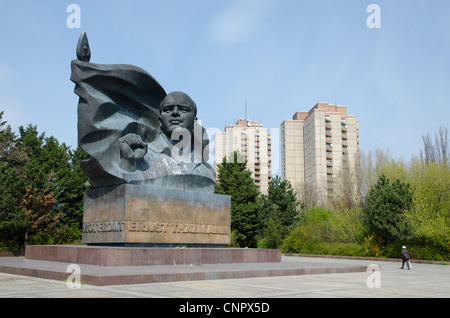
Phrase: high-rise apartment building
(319, 148)
(254, 142)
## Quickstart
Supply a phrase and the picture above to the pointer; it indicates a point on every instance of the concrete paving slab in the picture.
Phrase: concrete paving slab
(423, 281)
(99, 275)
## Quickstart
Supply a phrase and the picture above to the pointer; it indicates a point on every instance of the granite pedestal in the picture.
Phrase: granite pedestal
(137, 256)
(140, 228)
(149, 216)
(136, 265)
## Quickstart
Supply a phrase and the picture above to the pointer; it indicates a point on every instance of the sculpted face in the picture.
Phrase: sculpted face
(177, 110)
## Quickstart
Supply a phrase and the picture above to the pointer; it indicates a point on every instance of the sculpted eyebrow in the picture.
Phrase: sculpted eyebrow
(180, 107)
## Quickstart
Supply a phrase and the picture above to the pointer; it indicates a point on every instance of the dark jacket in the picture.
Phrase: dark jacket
(405, 254)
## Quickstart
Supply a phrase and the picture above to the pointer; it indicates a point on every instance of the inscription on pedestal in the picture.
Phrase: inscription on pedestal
(151, 215)
(155, 227)
(178, 228)
(113, 226)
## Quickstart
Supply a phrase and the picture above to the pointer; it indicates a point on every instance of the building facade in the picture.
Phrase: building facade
(319, 150)
(254, 142)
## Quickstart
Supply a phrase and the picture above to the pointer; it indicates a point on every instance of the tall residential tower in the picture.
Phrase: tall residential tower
(254, 142)
(319, 149)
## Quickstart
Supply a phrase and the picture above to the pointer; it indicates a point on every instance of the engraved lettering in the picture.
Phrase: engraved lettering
(104, 227)
(155, 227)
(189, 228)
(211, 229)
(201, 228)
(143, 227)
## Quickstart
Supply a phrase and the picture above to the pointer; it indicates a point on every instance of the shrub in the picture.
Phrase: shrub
(296, 240)
(373, 246)
(303, 238)
(339, 249)
(314, 215)
(431, 253)
(345, 224)
(273, 234)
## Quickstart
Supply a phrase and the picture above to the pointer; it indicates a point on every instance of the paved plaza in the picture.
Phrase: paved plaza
(424, 281)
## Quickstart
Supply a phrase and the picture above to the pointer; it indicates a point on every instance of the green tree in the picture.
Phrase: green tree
(42, 200)
(13, 159)
(29, 208)
(280, 205)
(10, 150)
(312, 229)
(48, 159)
(345, 222)
(429, 215)
(39, 219)
(235, 180)
(75, 184)
(385, 207)
(273, 235)
(11, 227)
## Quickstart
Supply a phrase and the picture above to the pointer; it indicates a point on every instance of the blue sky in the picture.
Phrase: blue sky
(281, 56)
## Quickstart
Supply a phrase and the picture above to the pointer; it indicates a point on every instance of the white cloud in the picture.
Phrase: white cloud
(239, 22)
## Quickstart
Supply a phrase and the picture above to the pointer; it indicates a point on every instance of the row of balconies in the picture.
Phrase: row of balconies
(245, 144)
(330, 178)
(257, 178)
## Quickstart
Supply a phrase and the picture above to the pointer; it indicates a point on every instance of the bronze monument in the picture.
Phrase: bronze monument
(148, 158)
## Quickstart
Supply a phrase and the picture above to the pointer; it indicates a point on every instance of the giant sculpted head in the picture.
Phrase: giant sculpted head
(132, 130)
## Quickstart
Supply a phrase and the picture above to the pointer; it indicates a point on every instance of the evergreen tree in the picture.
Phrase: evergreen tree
(282, 203)
(29, 210)
(12, 164)
(10, 152)
(235, 180)
(12, 228)
(75, 184)
(385, 207)
(278, 207)
(39, 219)
(42, 200)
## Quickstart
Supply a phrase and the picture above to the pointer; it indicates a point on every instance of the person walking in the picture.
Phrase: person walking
(405, 258)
